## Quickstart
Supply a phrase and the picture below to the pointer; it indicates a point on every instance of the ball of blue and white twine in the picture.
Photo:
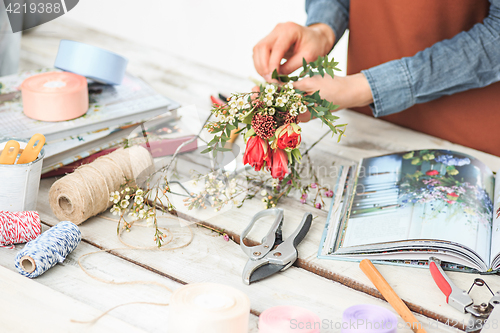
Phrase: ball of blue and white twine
(52, 247)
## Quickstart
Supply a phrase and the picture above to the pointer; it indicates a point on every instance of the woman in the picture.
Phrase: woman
(432, 66)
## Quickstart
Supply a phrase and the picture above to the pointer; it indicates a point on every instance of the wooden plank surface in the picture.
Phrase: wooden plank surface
(190, 83)
(211, 259)
(69, 280)
(47, 310)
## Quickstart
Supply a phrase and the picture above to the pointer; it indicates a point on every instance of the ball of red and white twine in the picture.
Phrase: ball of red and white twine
(18, 227)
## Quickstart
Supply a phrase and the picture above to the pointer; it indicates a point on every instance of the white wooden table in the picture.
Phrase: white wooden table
(326, 287)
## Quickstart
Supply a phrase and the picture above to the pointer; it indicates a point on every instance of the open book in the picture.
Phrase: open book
(403, 208)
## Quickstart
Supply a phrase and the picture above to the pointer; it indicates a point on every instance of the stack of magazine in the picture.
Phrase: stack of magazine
(113, 112)
(403, 208)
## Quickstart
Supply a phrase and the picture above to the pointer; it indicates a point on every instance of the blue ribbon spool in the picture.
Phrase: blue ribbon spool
(52, 247)
(90, 61)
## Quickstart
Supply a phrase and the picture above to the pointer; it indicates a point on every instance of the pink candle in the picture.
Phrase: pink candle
(288, 319)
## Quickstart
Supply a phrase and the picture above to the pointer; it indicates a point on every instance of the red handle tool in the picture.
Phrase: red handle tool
(457, 298)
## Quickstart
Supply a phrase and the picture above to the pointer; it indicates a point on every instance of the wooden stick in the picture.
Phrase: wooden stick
(390, 296)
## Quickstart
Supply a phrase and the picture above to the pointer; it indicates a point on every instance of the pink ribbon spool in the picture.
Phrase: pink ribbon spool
(289, 319)
(55, 96)
(18, 227)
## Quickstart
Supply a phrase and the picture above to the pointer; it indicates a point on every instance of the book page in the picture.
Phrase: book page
(424, 194)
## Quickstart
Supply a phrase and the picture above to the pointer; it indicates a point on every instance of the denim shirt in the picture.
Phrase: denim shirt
(471, 59)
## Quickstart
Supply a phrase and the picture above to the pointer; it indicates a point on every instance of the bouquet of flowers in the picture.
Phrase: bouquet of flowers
(269, 120)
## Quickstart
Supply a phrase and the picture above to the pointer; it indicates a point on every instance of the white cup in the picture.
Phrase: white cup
(19, 183)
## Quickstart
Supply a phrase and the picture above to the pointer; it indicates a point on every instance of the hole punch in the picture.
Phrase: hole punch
(480, 282)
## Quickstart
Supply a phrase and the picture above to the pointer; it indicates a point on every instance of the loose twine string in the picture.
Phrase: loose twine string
(168, 240)
(85, 193)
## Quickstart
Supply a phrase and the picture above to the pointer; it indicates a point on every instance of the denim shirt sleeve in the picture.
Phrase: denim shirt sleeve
(471, 59)
(335, 13)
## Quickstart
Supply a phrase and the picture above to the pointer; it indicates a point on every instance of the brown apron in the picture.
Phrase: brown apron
(384, 30)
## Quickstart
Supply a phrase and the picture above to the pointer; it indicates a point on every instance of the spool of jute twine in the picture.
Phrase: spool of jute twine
(85, 192)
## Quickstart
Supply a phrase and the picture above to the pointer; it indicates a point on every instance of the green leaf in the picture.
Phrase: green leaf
(275, 74)
(284, 78)
(206, 150)
(231, 127)
(318, 61)
(240, 130)
(308, 99)
(304, 64)
(321, 71)
(340, 136)
(224, 149)
(248, 118)
(249, 133)
(329, 71)
(289, 154)
(326, 103)
(216, 130)
(317, 98)
(297, 155)
(214, 140)
(313, 112)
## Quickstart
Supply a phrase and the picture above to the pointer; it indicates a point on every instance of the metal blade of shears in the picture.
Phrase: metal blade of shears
(265, 271)
(302, 230)
(256, 270)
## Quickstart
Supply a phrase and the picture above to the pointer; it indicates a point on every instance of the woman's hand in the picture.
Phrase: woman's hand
(345, 91)
(293, 42)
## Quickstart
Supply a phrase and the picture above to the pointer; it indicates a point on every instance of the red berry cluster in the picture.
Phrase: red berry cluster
(258, 104)
(264, 125)
(289, 119)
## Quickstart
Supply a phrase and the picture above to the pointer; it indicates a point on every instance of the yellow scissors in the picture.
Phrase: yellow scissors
(29, 153)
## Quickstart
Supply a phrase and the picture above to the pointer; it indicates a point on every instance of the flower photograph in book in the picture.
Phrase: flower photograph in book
(422, 195)
(269, 120)
(445, 181)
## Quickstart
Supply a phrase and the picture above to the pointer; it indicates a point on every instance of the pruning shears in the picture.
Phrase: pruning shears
(274, 254)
